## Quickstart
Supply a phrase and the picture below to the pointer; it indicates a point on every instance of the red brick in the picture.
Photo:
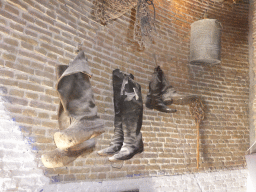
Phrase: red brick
(41, 51)
(15, 100)
(39, 30)
(31, 95)
(52, 48)
(6, 73)
(13, 109)
(32, 56)
(16, 92)
(11, 9)
(17, 27)
(19, 67)
(43, 115)
(19, 4)
(51, 92)
(42, 17)
(9, 82)
(29, 112)
(9, 57)
(45, 74)
(28, 17)
(27, 46)
(70, 177)
(42, 105)
(7, 15)
(30, 86)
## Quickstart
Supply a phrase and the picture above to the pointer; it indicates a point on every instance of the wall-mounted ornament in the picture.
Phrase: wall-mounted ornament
(205, 42)
(144, 27)
(78, 120)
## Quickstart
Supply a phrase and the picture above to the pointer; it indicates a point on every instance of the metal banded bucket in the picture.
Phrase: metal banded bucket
(205, 42)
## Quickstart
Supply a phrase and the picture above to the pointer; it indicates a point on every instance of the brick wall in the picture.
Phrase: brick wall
(35, 36)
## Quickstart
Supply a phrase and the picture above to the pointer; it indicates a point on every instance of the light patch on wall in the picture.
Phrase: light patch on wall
(249, 184)
(18, 168)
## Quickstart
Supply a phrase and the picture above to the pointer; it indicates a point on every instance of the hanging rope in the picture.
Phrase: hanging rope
(144, 25)
(106, 10)
(197, 111)
(154, 55)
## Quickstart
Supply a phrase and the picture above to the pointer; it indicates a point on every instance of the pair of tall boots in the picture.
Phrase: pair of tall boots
(161, 94)
(77, 114)
(128, 107)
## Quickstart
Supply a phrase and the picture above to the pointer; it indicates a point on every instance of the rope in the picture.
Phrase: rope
(106, 10)
(197, 110)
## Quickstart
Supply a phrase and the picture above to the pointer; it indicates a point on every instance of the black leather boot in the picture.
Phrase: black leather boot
(118, 138)
(156, 90)
(132, 114)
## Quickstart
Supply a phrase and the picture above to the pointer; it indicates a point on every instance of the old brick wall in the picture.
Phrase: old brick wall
(35, 36)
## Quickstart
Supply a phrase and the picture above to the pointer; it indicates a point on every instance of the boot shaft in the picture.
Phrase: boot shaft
(76, 96)
(75, 89)
(158, 83)
(118, 78)
(129, 101)
(157, 87)
(118, 137)
(126, 106)
(131, 110)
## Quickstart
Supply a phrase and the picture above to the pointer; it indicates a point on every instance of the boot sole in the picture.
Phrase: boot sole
(109, 150)
(60, 158)
(70, 137)
(107, 154)
(127, 157)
